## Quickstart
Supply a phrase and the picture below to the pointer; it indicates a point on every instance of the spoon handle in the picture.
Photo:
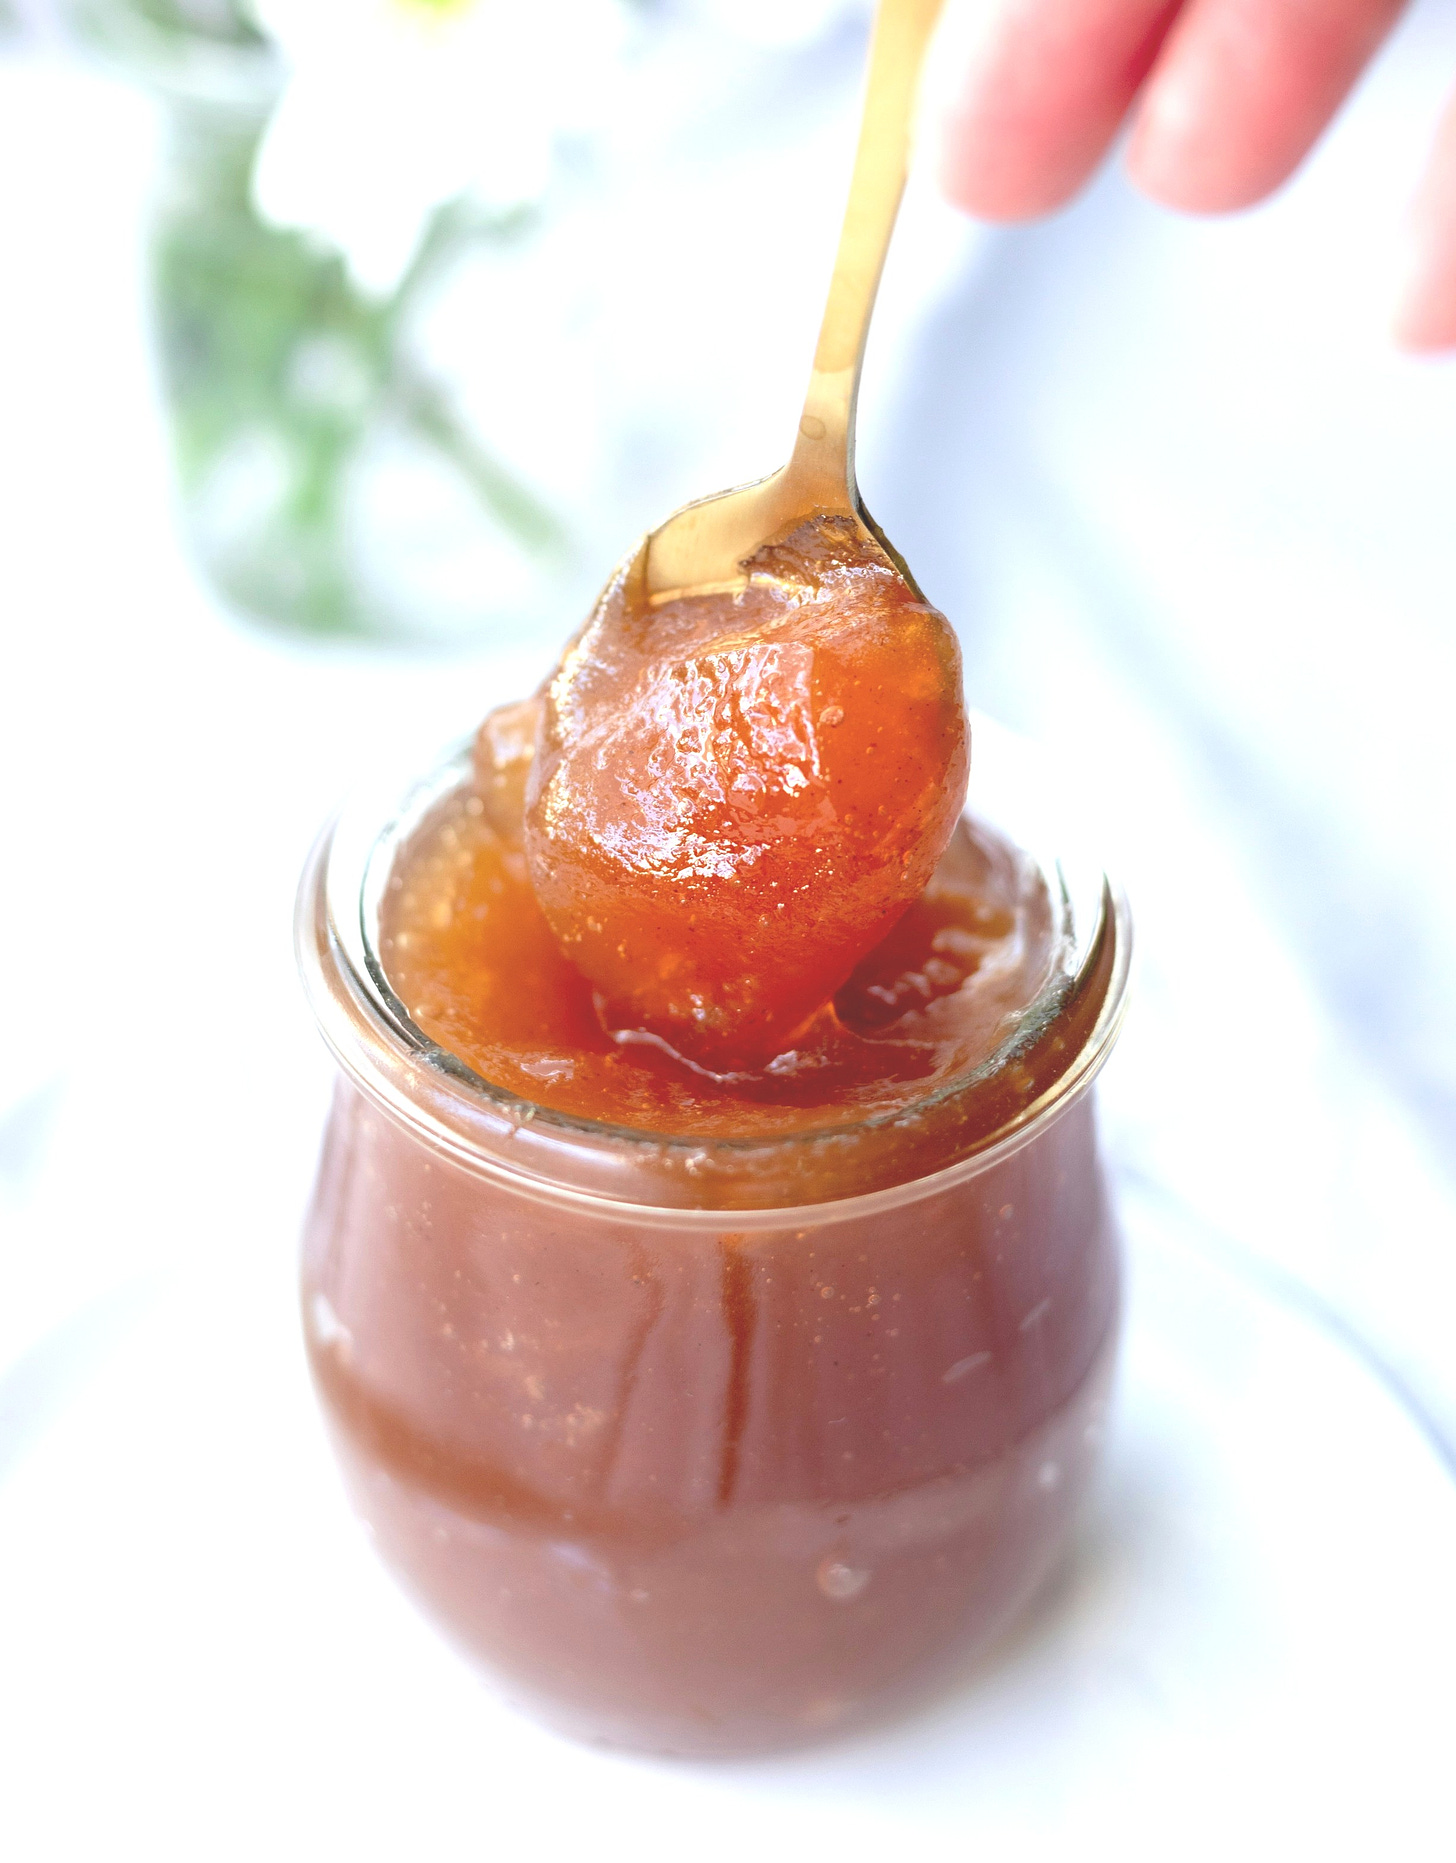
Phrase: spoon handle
(821, 468)
(702, 548)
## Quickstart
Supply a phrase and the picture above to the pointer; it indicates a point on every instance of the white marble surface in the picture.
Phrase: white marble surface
(1195, 521)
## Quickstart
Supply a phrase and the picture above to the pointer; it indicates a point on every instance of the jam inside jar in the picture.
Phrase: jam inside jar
(714, 1442)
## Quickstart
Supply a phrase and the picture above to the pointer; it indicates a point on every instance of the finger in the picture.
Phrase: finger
(1045, 86)
(1426, 318)
(1241, 90)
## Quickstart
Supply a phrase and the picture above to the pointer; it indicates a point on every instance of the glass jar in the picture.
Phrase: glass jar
(712, 1447)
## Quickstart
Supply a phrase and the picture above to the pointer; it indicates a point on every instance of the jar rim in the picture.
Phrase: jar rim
(565, 1156)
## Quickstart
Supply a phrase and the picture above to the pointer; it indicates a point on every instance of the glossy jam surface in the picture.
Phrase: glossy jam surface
(735, 796)
(469, 953)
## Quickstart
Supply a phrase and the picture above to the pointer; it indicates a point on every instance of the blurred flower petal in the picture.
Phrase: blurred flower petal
(393, 107)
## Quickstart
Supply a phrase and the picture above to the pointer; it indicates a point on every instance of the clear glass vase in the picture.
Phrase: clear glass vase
(328, 482)
(458, 463)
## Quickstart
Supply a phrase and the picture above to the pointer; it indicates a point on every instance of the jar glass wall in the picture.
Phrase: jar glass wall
(711, 1447)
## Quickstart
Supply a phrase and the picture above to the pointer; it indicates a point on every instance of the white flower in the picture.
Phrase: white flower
(393, 107)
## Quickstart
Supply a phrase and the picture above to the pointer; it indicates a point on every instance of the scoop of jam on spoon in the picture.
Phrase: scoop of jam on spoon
(750, 760)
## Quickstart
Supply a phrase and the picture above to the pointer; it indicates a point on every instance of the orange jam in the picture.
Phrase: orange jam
(734, 796)
(470, 955)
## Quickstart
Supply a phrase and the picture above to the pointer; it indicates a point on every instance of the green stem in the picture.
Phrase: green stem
(432, 417)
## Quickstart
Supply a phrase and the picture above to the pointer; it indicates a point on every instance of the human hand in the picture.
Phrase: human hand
(1225, 99)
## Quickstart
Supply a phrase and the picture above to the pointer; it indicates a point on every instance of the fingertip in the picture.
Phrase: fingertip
(1041, 91)
(1163, 176)
(1425, 316)
(1240, 94)
(1189, 149)
(1417, 338)
(998, 191)
(1424, 323)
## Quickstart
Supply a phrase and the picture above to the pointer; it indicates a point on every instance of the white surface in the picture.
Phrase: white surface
(1194, 519)
(1251, 1649)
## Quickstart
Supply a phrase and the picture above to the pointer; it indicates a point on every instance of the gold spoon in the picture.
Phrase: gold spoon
(702, 549)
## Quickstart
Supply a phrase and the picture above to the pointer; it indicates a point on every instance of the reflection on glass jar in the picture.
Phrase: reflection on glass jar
(716, 1446)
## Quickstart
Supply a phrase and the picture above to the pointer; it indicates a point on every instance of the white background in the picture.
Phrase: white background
(1195, 520)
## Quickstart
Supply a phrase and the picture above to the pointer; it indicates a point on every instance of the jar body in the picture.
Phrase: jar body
(712, 1483)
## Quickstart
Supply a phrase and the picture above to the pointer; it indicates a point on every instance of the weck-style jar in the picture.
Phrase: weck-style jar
(714, 1444)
